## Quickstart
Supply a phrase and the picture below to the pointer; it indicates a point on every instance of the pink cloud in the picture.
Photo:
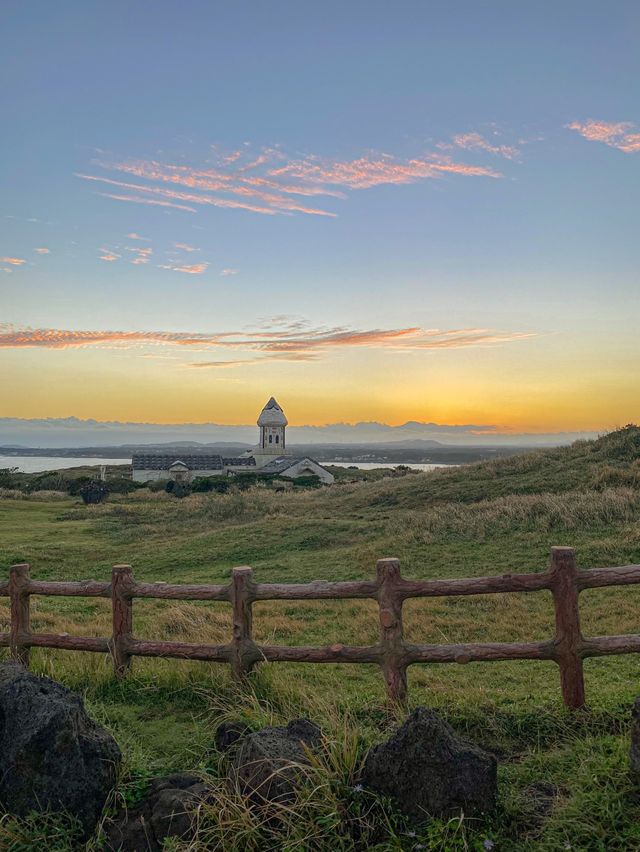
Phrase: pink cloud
(477, 142)
(42, 251)
(193, 269)
(614, 134)
(370, 171)
(134, 236)
(268, 182)
(136, 200)
(288, 343)
(13, 261)
(186, 247)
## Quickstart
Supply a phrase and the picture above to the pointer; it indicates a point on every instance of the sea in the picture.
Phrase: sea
(37, 464)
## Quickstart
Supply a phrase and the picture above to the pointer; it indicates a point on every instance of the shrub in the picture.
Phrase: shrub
(178, 489)
(9, 477)
(93, 492)
(204, 484)
(120, 485)
(311, 481)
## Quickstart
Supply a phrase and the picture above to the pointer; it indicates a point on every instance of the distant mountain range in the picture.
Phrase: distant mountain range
(71, 432)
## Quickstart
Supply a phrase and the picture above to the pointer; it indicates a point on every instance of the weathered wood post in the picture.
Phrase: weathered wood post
(568, 638)
(393, 665)
(122, 617)
(20, 617)
(242, 658)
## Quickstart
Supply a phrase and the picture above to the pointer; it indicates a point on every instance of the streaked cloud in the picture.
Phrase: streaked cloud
(270, 183)
(185, 247)
(228, 271)
(42, 251)
(134, 236)
(476, 142)
(135, 200)
(108, 255)
(623, 135)
(13, 261)
(192, 269)
(142, 255)
(374, 170)
(294, 341)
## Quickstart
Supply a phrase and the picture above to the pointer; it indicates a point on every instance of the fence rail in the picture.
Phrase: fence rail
(568, 648)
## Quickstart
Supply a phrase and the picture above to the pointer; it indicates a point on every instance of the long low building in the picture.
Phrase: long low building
(269, 458)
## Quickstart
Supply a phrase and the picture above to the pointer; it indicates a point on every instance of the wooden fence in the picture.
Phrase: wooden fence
(568, 648)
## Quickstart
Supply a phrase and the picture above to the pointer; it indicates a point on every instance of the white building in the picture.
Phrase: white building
(269, 458)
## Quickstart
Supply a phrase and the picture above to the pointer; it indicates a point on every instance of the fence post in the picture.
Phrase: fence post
(394, 669)
(122, 617)
(568, 639)
(20, 618)
(242, 641)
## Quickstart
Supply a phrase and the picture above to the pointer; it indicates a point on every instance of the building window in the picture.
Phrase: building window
(271, 439)
(277, 439)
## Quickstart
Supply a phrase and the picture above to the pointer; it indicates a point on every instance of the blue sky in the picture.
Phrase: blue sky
(470, 168)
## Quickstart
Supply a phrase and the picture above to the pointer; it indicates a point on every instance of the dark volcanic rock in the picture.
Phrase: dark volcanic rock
(429, 770)
(267, 763)
(168, 810)
(52, 755)
(634, 753)
(228, 734)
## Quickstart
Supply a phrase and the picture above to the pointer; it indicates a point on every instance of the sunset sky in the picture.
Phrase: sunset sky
(371, 210)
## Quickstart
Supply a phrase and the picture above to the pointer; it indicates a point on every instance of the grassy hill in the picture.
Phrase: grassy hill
(563, 777)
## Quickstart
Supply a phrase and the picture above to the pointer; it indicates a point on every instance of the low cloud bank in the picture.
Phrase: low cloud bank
(72, 432)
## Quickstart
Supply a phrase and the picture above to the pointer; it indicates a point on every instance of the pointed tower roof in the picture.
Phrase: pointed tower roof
(272, 415)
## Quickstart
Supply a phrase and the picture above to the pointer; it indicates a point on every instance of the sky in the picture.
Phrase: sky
(375, 211)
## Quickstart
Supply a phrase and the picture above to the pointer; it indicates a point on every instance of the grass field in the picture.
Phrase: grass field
(563, 778)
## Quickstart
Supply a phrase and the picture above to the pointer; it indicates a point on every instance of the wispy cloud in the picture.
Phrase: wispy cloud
(228, 271)
(108, 255)
(186, 247)
(42, 251)
(192, 269)
(134, 236)
(13, 261)
(374, 170)
(623, 135)
(476, 142)
(135, 200)
(293, 341)
(270, 183)
(142, 255)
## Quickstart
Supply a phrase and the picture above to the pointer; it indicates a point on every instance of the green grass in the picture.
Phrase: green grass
(563, 778)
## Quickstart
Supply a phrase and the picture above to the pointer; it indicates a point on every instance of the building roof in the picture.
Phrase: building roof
(272, 415)
(163, 461)
(241, 461)
(279, 464)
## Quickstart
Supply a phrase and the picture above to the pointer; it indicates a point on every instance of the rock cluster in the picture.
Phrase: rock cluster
(430, 771)
(168, 810)
(52, 755)
(267, 764)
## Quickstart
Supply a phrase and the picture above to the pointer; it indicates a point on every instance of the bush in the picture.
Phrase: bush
(9, 477)
(120, 485)
(74, 486)
(93, 492)
(311, 481)
(178, 489)
(204, 484)
(48, 481)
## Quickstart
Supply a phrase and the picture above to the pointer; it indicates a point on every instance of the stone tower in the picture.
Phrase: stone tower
(272, 423)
